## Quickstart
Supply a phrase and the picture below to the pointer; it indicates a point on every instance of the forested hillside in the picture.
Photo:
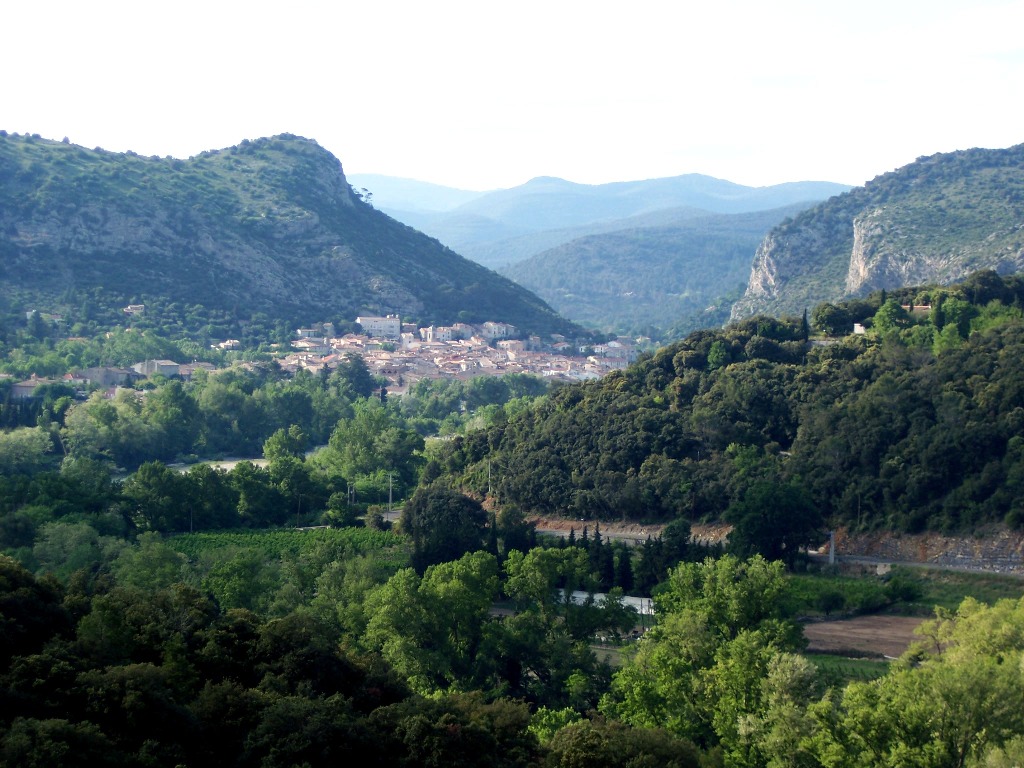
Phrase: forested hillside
(913, 425)
(659, 281)
(268, 231)
(934, 221)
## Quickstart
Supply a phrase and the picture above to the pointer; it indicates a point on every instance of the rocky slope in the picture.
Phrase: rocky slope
(270, 226)
(934, 221)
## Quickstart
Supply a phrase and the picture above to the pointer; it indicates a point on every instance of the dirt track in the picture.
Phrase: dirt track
(870, 635)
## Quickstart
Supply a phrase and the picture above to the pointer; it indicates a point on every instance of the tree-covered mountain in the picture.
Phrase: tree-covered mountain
(505, 226)
(648, 278)
(268, 227)
(914, 425)
(933, 221)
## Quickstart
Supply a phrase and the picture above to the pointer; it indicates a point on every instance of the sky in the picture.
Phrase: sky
(487, 94)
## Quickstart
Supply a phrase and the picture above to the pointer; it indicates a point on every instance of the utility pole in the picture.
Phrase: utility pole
(390, 475)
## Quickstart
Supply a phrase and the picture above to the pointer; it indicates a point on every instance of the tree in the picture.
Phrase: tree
(719, 624)
(831, 320)
(285, 442)
(774, 520)
(150, 564)
(890, 318)
(373, 440)
(443, 525)
(431, 629)
(156, 497)
(24, 450)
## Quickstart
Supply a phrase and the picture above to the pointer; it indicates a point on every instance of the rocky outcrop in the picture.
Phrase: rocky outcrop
(933, 222)
(996, 551)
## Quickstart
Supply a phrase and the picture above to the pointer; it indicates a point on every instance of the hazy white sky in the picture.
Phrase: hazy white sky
(484, 94)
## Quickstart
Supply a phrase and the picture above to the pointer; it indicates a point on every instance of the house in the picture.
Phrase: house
(187, 370)
(157, 367)
(134, 309)
(389, 327)
(436, 333)
(312, 346)
(26, 390)
(492, 331)
(105, 376)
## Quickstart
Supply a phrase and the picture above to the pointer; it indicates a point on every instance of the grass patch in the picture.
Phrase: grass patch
(947, 589)
(839, 670)
(826, 594)
(906, 591)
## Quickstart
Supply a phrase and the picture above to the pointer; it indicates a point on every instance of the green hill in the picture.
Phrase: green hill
(933, 221)
(914, 425)
(270, 227)
(649, 279)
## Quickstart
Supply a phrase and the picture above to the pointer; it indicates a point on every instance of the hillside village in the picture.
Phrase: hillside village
(403, 354)
(400, 354)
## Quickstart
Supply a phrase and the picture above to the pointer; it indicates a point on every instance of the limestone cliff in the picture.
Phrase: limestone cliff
(932, 222)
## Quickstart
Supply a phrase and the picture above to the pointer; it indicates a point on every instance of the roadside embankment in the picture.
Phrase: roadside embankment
(993, 550)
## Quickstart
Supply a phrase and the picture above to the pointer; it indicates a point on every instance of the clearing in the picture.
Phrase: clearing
(868, 636)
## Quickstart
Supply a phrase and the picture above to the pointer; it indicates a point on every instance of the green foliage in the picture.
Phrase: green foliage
(953, 700)
(443, 525)
(871, 430)
(292, 544)
(701, 668)
(431, 629)
(831, 593)
(775, 521)
(610, 744)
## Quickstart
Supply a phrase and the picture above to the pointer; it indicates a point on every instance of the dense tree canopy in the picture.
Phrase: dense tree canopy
(912, 425)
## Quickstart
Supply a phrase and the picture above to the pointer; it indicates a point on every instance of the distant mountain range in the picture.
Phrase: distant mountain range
(501, 227)
(270, 227)
(933, 221)
(628, 257)
(669, 253)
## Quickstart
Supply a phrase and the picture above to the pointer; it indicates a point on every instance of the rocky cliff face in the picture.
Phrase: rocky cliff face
(932, 222)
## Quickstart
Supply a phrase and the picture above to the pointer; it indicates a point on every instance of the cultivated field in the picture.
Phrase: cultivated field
(870, 636)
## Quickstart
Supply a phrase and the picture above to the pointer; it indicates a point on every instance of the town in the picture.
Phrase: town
(398, 354)
(403, 354)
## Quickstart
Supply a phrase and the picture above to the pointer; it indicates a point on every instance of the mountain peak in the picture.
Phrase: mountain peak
(267, 226)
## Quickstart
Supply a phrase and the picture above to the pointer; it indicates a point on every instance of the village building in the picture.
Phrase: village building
(492, 331)
(105, 377)
(26, 390)
(157, 367)
(389, 327)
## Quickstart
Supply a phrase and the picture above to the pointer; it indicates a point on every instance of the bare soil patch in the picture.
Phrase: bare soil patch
(868, 635)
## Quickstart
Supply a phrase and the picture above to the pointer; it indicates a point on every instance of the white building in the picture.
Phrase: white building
(389, 327)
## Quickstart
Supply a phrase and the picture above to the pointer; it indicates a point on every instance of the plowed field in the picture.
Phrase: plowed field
(867, 635)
